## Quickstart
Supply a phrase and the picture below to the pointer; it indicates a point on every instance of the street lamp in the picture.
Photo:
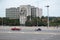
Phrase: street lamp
(48, 14)
(37, 21)
(2, 21)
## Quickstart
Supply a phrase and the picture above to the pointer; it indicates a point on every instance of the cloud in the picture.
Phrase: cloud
(53, 9)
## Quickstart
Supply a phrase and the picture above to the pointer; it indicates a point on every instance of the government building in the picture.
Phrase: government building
(22, 12)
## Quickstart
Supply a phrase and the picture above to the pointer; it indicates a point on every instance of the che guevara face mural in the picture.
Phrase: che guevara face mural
(23, 11)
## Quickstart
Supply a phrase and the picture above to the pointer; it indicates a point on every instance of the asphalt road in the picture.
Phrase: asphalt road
(25, 34)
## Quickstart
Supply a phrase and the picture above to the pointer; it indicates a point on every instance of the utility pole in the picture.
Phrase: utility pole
(48, 15)
(37, 21)
(2, 21)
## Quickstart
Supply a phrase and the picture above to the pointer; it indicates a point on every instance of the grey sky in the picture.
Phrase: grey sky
(54, 9)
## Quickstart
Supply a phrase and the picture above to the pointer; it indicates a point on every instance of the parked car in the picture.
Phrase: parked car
(39, 29)
(15, 28)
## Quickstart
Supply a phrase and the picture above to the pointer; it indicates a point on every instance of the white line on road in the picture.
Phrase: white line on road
(33, 33)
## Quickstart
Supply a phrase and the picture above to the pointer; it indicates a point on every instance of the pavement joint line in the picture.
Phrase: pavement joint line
(33, 33)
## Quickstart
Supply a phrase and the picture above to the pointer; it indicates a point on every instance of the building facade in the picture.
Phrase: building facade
(12, 13)
(22, 12)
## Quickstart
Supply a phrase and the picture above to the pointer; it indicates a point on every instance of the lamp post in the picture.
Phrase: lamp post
(2, 21)
(37, 21)
(48, 14)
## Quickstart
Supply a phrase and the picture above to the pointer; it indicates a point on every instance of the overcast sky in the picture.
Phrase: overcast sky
(54, 9)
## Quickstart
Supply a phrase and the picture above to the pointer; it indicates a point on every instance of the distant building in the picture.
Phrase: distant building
(12, 13)
(27, 10)
(22, 12)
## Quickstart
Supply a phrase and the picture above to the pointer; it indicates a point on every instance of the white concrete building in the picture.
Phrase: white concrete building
(12, 13)
(22, 12)
(27, 10)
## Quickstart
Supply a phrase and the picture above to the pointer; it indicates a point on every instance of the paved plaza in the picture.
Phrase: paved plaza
(29, 33)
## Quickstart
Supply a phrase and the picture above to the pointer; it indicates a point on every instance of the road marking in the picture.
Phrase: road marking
(33, 33)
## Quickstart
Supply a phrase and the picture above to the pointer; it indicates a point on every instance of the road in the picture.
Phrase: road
(29, 34)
